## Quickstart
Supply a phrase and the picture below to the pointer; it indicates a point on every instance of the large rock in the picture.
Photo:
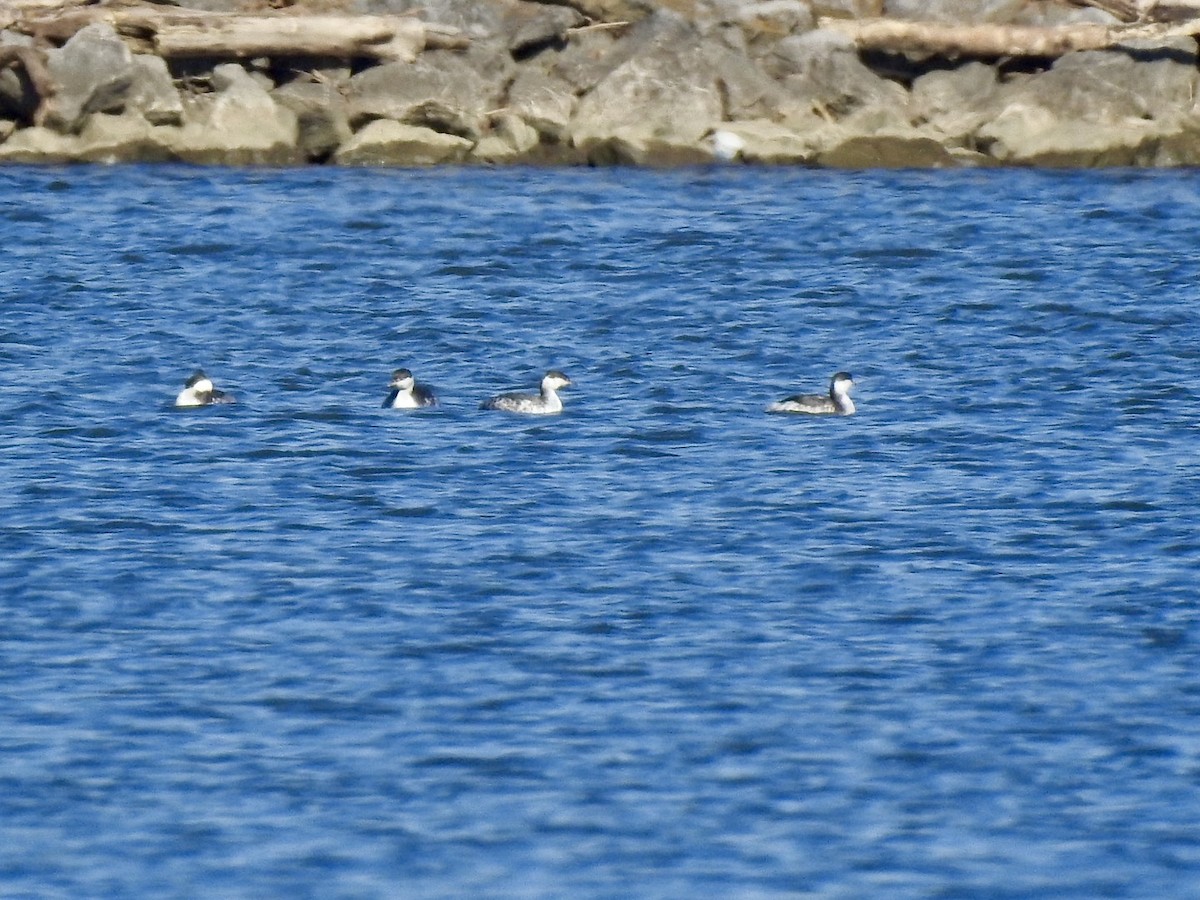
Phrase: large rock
(472, 17)
(887, 150)
(951, 104)
(642, 147)
(1049, 15)
(1034, 136)
(124, 138)
(1103, 108)
(438, 91)
(544, 101)
(821, 70)
(668, 98)
(532, 27)
(103, 139)
(995, 12)
(1109, 86)
(592, 56)
(388, 143)
(40, 145)
(239, 125)
(746, 90)
(772, 20)
(321, 115)
(956, 12)
(152, 92)
(1178, 145)
(93, 72)
(848, 9)
(512, 140)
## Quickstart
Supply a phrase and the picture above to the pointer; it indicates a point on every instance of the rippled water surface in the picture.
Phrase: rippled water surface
(662, 645)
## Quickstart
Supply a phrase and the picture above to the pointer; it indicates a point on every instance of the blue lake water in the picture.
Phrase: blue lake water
(662, 645)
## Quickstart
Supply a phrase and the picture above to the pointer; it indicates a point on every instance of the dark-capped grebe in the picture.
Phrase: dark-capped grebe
(200, 391)
(544, 403)
(837, 403)
(406, 393)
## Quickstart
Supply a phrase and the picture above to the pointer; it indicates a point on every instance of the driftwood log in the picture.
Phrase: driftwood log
(33, 61)
(174, 34)
(998, 40)
(386, 38)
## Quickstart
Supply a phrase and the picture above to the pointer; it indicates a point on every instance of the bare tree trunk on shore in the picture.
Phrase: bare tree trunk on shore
(387, 38)
(179, 34)
(33, 61)
(998, 40)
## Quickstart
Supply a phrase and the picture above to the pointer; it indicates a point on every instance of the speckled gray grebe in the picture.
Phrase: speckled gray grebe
(544, 403)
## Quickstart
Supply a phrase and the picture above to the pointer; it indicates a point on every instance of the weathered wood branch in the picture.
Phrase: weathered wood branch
(190, 34)
(380, 37)
(444, 37)
(597, 26)
(33, 60)
(1125, 10)
(998, 40)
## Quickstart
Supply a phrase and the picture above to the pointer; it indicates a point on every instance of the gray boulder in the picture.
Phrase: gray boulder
(438, 91)
(103, 139)
(1101, 108)
(473, 18)
(951, 104)
(587, 59)
(1034, 136)
(821, 70)
(152, 92)
(123, 138)
(747, 91)
(593, 56)
(774, 18)
(753, 29)
(903, 150)
(1179, 146)
(385, 142)
(532, 27)
(542, 100)
(956, 12)
(239, 125)
(1108, 86)
(511, 140)
(672, 85)
(639, 147)
(668, 98)
(848, 9)
(321, 116)
(40, 145)
(93, 72)
(1047, 14)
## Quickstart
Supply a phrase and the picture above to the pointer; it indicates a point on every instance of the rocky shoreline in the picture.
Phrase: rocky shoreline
(840, 83)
